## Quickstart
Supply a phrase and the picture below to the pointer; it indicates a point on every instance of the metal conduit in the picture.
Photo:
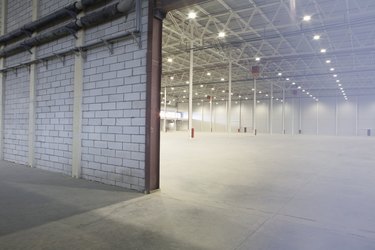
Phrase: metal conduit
(100, 16)
(69, 11)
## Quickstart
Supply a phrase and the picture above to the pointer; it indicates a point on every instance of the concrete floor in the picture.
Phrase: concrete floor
(218, 192)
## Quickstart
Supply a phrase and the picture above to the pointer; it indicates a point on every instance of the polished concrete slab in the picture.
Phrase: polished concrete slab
(218, 191)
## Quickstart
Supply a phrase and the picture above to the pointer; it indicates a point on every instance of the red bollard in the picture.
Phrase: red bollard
(192, 133)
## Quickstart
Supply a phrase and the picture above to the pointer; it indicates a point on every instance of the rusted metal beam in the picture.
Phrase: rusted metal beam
(154, 71)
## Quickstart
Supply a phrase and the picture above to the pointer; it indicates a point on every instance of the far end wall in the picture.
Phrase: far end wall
(329, 116)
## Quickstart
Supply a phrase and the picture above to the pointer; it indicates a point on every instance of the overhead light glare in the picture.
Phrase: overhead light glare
(192, 15)
(172, 77)
(257, 59)
(222, 79)
(221, 34)
(279, 74)
(307, 18)
(328, 61)
(332, 69)
(169, 60)
(316, 37)
(208, 73)
(323, 51)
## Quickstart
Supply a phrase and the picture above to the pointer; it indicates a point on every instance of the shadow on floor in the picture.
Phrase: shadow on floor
(32, 197)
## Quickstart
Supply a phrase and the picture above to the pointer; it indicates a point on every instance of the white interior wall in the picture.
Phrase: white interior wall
(316, 118)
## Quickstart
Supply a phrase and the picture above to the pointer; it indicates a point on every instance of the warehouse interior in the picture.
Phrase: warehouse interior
(264, 109)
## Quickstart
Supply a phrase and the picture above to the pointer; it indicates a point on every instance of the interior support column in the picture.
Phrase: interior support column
(165, 110)
(255, 106)
(210, 113)
(191, 72)
(32, 95)
(336, 116)
(229, 114)
(3, 18)
(293, 116)
(317, 118)
(356, 116)
(271, 110)
(77, 107)
(300, 117)
(283, 110)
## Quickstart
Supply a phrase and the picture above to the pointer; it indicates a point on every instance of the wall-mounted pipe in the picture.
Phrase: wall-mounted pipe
(67, 12)
(107, 13)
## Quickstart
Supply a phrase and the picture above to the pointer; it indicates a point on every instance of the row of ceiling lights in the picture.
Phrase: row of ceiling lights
(221, 34)
(300, 88)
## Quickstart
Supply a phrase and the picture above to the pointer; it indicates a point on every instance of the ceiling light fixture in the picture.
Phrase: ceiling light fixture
(332, 69)
(208, 73)
(221, 34)
(257, 59)
(279, 74)
(222, 79)
(328, 61)
(192, 15)
(172, 77)
(323, 51)
(307, 18)
(316, 37)
(169, 60)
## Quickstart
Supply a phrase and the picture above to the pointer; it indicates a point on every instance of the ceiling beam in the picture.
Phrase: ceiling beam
(168, 5)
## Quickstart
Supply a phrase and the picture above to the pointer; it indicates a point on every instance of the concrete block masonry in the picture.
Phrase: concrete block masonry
(113, 102)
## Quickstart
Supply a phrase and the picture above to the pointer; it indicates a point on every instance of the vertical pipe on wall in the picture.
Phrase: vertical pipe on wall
(3, 18)
(77, 106)
(255, 106)
(191, 133)
(271, 110)
(165, 110)
(229, 116)
(32, 94)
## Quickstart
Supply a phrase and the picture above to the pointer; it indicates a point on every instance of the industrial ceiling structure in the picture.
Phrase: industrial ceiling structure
(309, 48)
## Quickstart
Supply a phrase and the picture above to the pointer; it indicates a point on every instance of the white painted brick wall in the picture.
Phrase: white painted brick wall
(16, 116)
(54, 115)
(114, 103)
(114, 108)
(19, 13)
